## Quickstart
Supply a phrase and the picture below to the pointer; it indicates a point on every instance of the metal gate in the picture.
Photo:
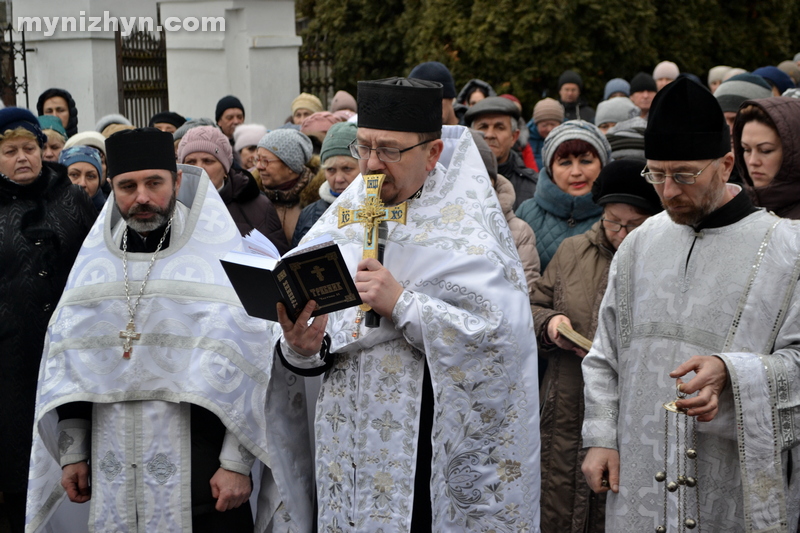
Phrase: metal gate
(142, 75)
(316, 69)
(10, 50)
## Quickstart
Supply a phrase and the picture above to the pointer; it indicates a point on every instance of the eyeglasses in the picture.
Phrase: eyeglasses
(681, 178)
(616, 227)
(266, 161)
(385, 154)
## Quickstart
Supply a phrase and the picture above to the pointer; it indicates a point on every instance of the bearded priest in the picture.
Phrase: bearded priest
(154, 381)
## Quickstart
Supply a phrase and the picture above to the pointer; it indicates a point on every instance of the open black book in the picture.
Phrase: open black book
(315, 271)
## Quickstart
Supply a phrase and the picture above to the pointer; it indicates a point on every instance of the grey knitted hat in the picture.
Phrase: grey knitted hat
(730, 94)
(108, 120)
(291, 147)
(189, 124)
(616, 110)
(576, 129)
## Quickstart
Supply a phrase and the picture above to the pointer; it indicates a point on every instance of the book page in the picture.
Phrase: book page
(256, 243)
(251, 259)
(313, 244)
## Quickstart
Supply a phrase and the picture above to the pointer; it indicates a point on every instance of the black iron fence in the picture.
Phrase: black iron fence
(10, 50)
(142, 75)
(316, 69)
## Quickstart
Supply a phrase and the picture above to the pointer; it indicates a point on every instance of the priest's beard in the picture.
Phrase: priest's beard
(146, 226)
(707, 204)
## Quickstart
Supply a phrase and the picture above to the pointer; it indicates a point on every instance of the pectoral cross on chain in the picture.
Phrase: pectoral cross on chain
(130, 334)
(371, 214)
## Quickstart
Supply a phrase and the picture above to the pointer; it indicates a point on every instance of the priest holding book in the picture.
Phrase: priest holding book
(429, 421)
(154, 382)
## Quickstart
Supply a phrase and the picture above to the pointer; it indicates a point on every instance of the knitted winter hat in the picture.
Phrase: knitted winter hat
(88, 138)
(72, 123)
(570, 76)
(343, 100)
(616, 85)
(616, 110)
(209, 140)
(666, 69)
(192, 123)
(643, 82)
(290, 146)
(791, 69)
(435, 71)
(307, 101)
(733, 72)
(52, 122)
(776, 77)
(319, 123)
(548, 109)
(576, 129)
(247, 135)
(338, 140)
(86, 154)
(621, 182)
(225, 103)
(108, 120)
(717, 73)
(16, 117)
(736, 90)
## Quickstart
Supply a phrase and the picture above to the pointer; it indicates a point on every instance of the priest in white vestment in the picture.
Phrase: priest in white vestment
(157, 392)
(428, 422)
(705, 294)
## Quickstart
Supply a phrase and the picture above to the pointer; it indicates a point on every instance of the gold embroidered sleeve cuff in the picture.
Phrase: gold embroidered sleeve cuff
(74, 440)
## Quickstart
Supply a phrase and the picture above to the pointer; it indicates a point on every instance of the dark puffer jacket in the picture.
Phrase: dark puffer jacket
(42, 227)
(312, 212)
(251, 209)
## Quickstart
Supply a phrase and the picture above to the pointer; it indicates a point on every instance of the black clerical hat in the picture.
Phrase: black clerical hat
(686, 123)
(400, 104)
(140, 149)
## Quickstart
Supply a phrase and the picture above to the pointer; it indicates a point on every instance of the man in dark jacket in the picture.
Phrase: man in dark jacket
(44, 219)
(570, 87)
(498, 119)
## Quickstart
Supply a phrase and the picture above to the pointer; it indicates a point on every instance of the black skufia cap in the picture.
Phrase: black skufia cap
(400, 104)
(686, 123)
(621, 182)
(140, 149)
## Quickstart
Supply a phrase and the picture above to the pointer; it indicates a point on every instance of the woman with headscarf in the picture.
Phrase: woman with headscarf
(44, 219)
(208, 148)
(85, 168)
(573, 155)
(767, 151)
(569, 292)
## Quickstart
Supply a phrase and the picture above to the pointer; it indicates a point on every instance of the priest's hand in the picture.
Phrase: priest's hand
(556, 338)
(601, 468)
(302, 337)
(75, 480)
(710, 379)
(377, 287)
(230, 489)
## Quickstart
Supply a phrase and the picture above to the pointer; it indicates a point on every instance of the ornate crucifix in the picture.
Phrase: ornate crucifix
(130, 335)
(371, 214)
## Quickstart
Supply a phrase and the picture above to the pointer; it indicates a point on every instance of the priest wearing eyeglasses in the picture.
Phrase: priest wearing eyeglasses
(154, 382)
(428, 422)
(701, 304)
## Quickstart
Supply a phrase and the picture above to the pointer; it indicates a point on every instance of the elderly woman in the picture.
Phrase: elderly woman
(340, 169)
(767, 152)
(85, 168)
(44, 219)
(208, 148)
(569, 292)
(573, 155)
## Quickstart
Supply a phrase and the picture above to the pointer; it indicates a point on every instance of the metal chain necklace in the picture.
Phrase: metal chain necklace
(129, 333)
(682, 482)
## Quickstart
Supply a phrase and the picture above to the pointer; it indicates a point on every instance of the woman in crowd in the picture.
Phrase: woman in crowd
(56, 137)
(340, 169)
(569, 292)
(44, 219)
(85, 168)
(208, 148)
(573, 155)
(767, 151)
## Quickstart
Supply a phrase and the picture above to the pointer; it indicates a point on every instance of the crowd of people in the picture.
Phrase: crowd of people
(658, 225)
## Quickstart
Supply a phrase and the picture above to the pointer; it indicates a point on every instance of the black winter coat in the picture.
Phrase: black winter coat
(250, 208)
(42, 227)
